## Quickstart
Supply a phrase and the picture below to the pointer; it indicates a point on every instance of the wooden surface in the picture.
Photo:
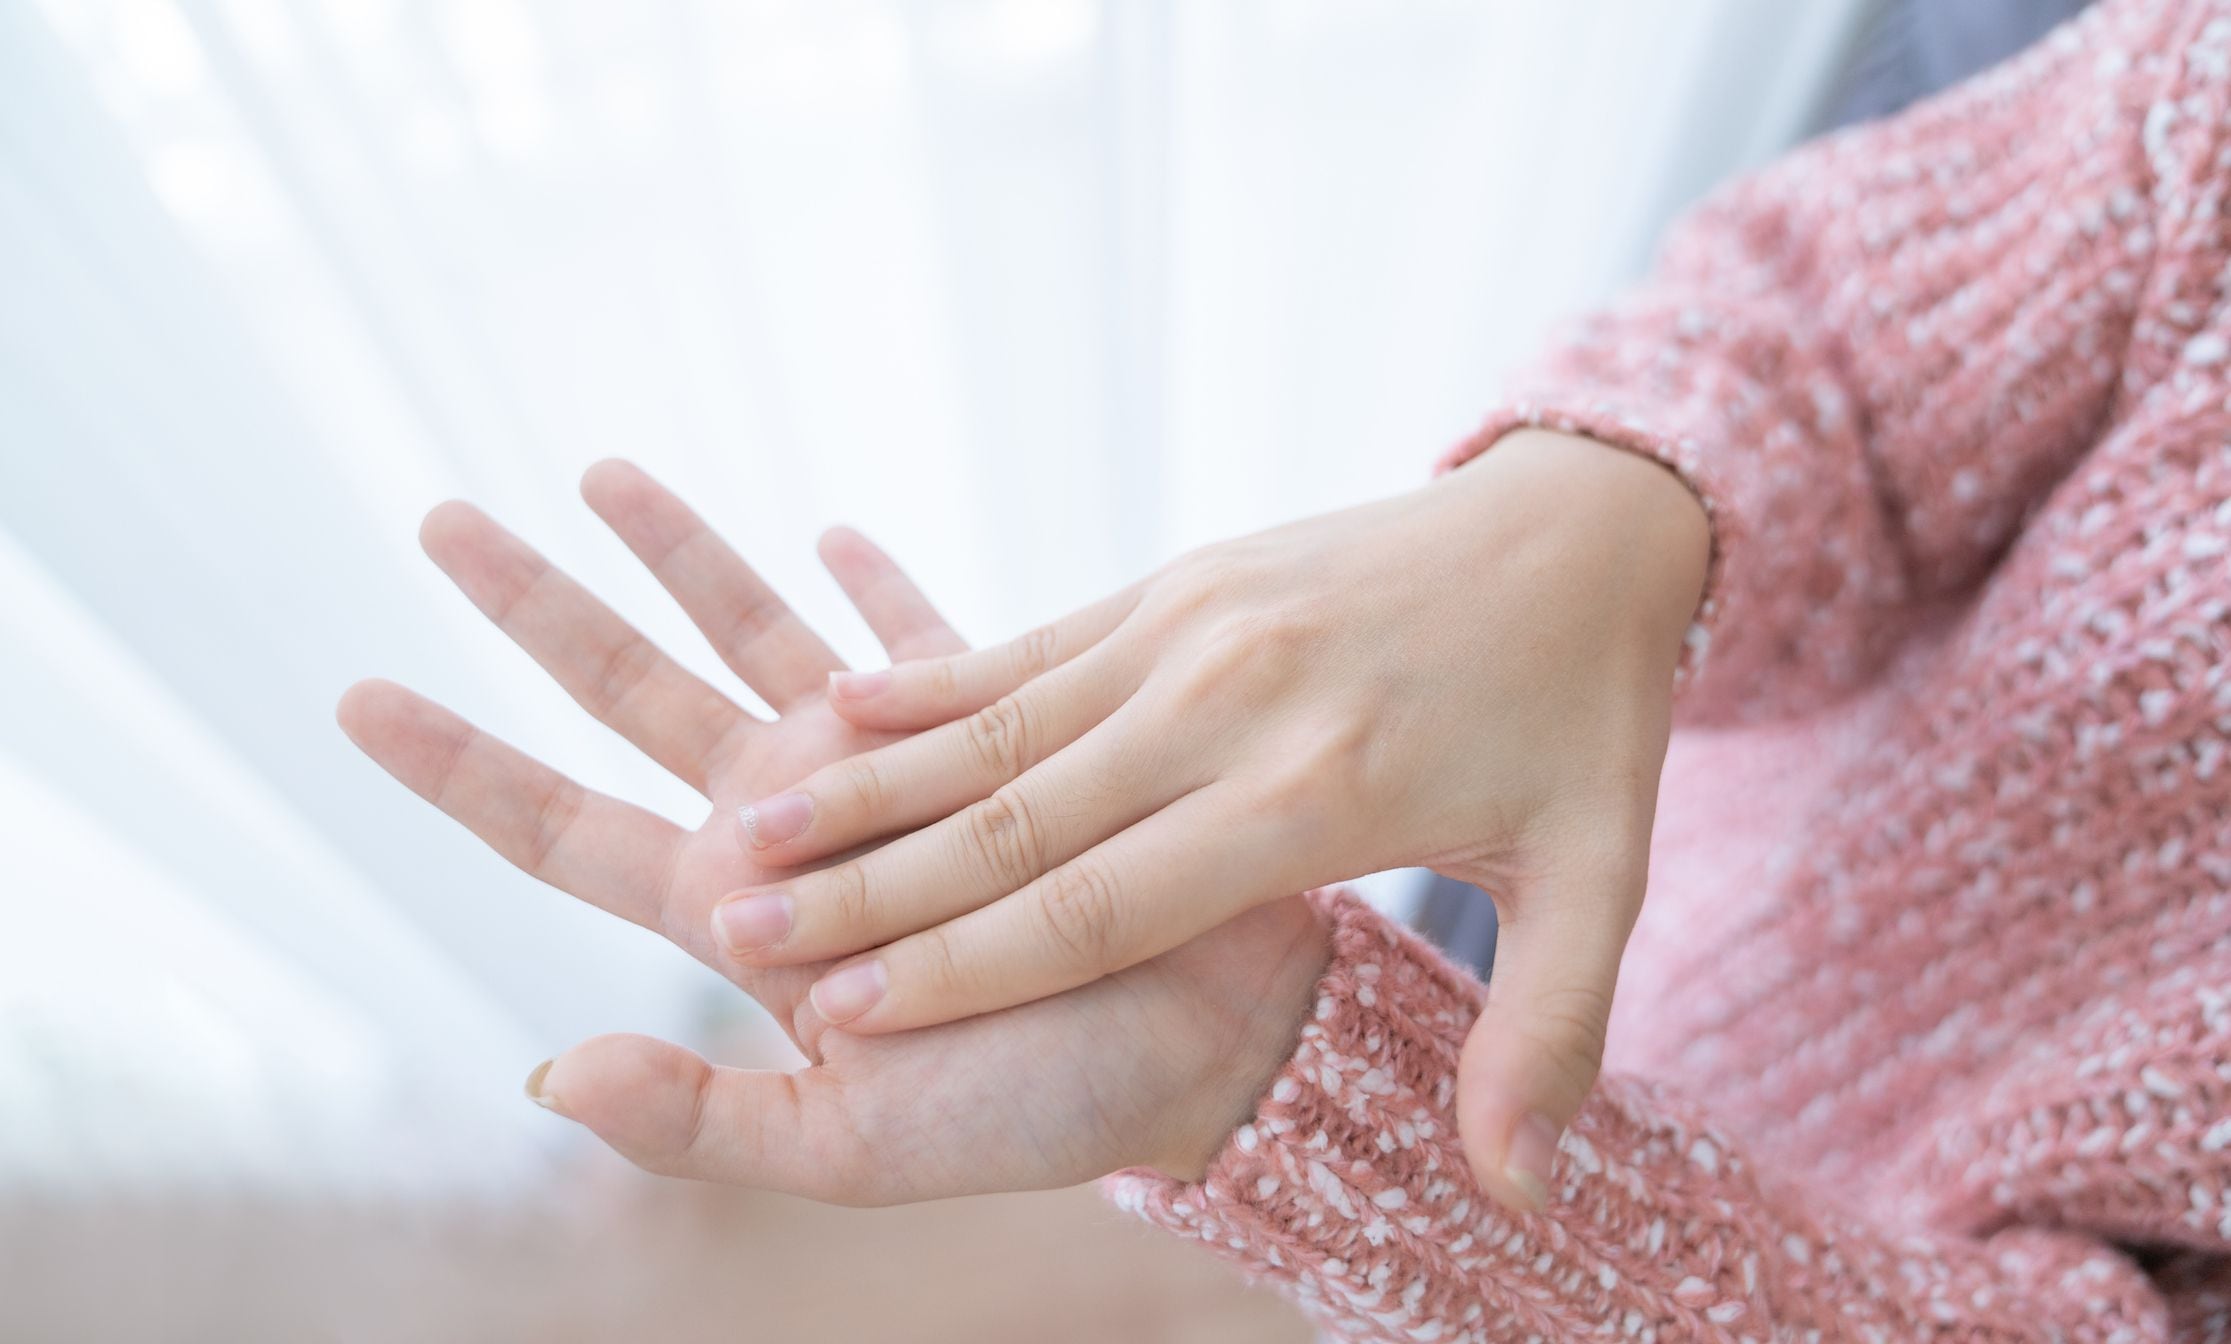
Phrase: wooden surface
(614, 1255)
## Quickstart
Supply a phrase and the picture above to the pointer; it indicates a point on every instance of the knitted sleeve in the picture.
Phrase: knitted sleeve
(1869, 359)
(1349, 1189)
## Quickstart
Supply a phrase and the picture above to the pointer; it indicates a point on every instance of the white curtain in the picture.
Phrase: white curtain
(1037, 292)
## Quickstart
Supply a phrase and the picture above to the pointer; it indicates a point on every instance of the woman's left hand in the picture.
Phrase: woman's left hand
(1153, 1067)
(1476, 677)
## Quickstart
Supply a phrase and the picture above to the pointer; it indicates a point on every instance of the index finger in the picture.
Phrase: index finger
(1179, 873)
(924, 693)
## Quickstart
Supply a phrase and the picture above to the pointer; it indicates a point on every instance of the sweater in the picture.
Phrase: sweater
(1925, 1028)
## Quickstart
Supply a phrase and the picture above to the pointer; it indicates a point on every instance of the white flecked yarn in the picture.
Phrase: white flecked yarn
(1925, 1032)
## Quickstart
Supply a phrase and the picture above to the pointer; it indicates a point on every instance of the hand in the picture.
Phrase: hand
(611, 854)
(1151, 1068)
(1476, 677)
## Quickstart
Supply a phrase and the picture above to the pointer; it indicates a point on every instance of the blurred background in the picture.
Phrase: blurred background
(1036, 292)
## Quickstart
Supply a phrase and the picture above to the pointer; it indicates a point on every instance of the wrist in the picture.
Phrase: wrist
(1622, 523)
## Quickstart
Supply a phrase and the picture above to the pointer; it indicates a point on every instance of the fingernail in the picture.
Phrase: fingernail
(844, 994)
(770, 821)
(535, 1093)
(1533, 1149)
(749, 923)
(858, 685)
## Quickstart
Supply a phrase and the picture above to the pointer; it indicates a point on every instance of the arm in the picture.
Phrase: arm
(1348, 1188)
(1870, 359)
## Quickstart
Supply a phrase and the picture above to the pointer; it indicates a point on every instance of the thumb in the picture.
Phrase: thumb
(668, 1111)
(1534, 1053)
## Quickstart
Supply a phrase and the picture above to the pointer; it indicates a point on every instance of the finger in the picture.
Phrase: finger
(606, 852)
(1535, 1051)
(1175, 875)
(750, 627)
(1106, 780)
(914, 695)
(668, 1111)
(931, 775)
(601, 661)
(901, 617)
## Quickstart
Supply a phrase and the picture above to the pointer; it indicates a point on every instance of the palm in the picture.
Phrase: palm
(1029, 1097)
(1068, 1088)
(710, 863)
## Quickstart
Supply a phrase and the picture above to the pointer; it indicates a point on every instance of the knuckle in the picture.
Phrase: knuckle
(942, 681)
(998, 737)
(671, 910)
(863, 786)
(624, 671)
(692, 1138)
(1569, 1024)
(750, 621)
(1004, 836)
(1232, 649)
(1347, 753)
(553, 818)
(1034, 653)
(1190, 586)
(1297, 793)
(667, 1142)
(1079, 910)
(845, 898)
(1227, 665)
(935, 970)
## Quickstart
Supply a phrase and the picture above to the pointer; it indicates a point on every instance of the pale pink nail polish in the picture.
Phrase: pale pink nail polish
(770, 821)
(1533, 1151)
(749, 923)
(858, 685)
(849, 991)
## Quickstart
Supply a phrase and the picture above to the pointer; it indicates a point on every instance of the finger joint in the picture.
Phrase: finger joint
(998, 736)
(1007, 840)
(625, 671)
(1079, 911)
(1034, 653)
(555, 815)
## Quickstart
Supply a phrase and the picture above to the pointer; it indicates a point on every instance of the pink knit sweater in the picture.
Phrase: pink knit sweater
(1925, 1033)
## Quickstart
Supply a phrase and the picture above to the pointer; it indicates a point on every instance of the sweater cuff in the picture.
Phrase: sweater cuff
(1351, 1187)
(1291, 1193)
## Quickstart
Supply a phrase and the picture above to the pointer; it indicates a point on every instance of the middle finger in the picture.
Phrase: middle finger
(1105, 781)
(933, 774)
(604, 663)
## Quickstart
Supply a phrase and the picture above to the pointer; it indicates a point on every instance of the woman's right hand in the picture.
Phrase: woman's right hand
(1475, 677)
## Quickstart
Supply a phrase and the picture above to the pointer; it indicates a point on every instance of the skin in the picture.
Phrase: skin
(1152, 1067)
(1475, 677)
